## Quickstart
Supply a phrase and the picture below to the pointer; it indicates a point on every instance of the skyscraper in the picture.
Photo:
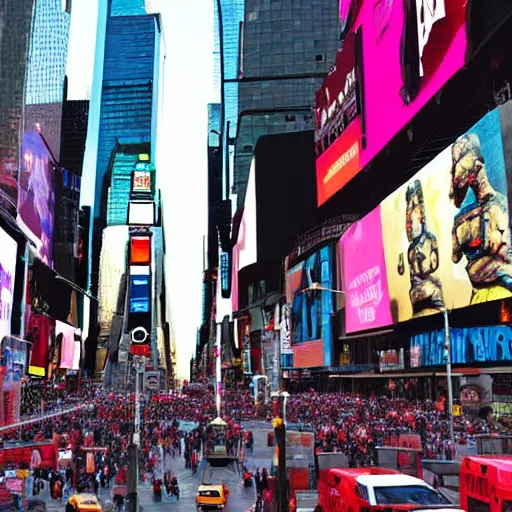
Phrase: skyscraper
(46, 71)
(14, 44)
(232, 30)
(129, 96)
(287, 48)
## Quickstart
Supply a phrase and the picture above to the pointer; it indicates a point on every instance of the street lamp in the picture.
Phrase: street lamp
(448, 348)
(317, 287)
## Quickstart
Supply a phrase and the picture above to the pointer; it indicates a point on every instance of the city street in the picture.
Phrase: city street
(240, 498)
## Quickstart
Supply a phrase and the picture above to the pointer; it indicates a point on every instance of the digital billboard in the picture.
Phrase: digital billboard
(483, 344)
(408, 51)
(141, 181)
(8, 252)
(441, 240)
(141, 213)
(140, 289)
(36, 196)
(310, 313)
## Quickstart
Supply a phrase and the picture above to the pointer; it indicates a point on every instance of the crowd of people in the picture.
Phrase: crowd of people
(98, 434)
(356, 425)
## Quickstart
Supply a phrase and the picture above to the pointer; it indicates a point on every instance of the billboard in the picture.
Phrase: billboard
(141, 213)
(362, 275)
(408, 51)
(484, 344)
(446, 241)
(141, 181)
(7, 274)
(310, 312)
(36, 196)
(140, 289)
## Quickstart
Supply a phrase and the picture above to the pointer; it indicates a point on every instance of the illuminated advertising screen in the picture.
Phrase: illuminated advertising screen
(440, 240)
(7, 272)
(36, 196)
(141, 181)
(409, 50)
(140, 289)
(310, 314)
(141, 213)
(482, 344)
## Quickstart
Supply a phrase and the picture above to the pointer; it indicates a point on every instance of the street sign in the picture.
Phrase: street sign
(152, 381)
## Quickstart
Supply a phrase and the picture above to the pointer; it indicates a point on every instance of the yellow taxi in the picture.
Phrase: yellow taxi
(85, 502)
(211, 497)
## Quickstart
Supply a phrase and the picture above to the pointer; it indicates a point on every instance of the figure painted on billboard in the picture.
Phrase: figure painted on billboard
(481, 230)
(422, 255)
(35, 208)
(429, 29)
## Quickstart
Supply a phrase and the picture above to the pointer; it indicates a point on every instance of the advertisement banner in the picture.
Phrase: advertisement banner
(445, 233)
(311, 310)
(391, 360)
(67, 345)
(364, 276)
(340, 163)
(286, 337)
(36, 196)
(141, 181)
(7, 273)
(39, 332)
(309, 354)
(484, 344)
(417, 47)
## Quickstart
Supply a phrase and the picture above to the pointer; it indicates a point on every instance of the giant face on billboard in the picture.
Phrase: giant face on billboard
(36, 197)
(446, 240)
(405, 53)
(7, 273)
(311, 311)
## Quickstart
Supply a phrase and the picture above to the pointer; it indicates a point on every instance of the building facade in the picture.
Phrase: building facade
(286, 50)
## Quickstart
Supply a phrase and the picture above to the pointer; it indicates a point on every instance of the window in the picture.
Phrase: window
(409, 495)
(319, 57)
(362, 492)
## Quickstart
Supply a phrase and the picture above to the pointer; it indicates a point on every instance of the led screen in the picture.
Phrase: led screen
(36, 196)
(141, 181)
(310, 314)
(141, 213)
(440, 240)
(405, 53)
(140, 249)
(140, 287)
(7, 272)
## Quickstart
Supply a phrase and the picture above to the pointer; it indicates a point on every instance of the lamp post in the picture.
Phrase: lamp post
(448, 348)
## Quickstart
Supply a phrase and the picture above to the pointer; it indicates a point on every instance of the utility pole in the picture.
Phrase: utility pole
(133, 448)
(448, 348)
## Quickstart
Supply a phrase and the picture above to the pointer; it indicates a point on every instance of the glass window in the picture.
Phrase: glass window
(409, 495)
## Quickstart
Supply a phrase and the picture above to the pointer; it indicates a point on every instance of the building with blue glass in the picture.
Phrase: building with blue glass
(128, 109)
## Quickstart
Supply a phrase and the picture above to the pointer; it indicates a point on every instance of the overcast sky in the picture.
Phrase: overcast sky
(181, 146)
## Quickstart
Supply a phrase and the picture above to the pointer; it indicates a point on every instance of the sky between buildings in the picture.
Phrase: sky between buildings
(181, 145)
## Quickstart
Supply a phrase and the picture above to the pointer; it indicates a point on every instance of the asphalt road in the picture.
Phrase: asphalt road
(240, 498)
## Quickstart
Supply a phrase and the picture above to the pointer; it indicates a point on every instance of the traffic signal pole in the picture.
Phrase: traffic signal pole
(133, 448)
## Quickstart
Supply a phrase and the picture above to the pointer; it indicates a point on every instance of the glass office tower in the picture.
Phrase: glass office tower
(46, 73)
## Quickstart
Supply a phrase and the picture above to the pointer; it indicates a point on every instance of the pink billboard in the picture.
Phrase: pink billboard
(404, 52)
(364, 278)
(410, 50)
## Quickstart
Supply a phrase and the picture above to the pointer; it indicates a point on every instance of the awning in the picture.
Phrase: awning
(218, 422)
